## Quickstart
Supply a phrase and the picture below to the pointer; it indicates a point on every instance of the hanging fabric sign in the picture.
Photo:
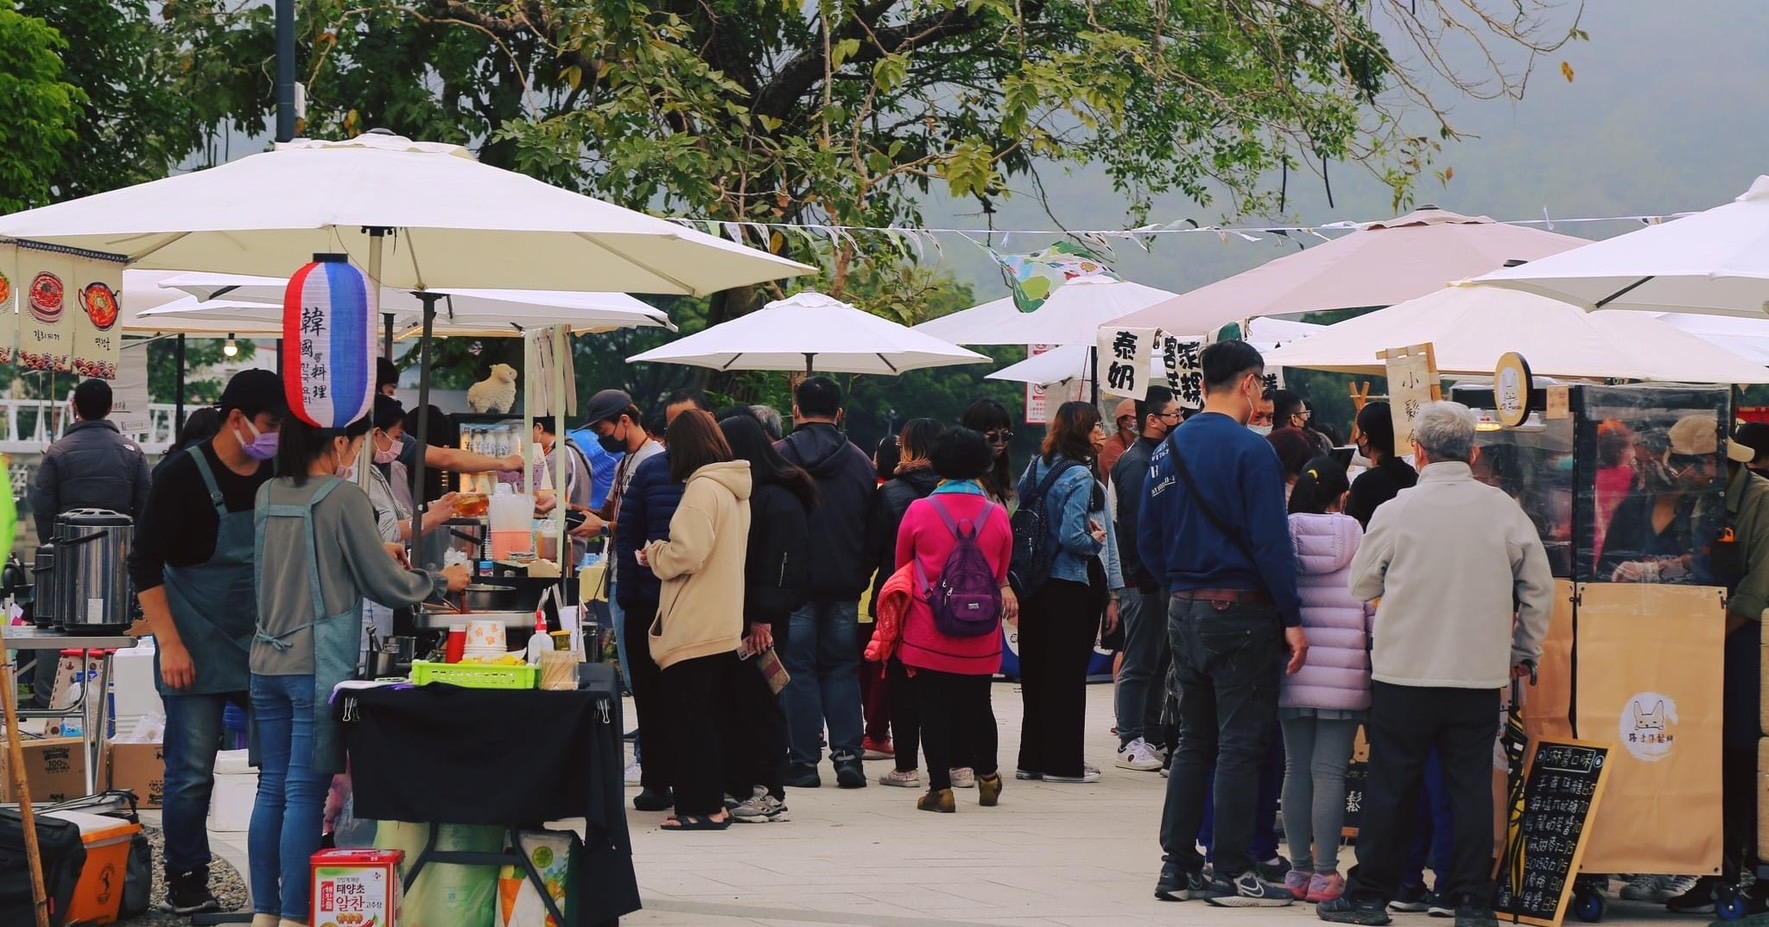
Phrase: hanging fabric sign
(1184, 368)
(329, 312)
(1037, 408)
(1124, 358)
(1035, 277)
(45, 335)
(94, 308)
(9, 306)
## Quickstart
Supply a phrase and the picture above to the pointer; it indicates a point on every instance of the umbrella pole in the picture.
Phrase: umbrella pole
(1093, 364)
(178, 401)
(419, 503)
(377, 238)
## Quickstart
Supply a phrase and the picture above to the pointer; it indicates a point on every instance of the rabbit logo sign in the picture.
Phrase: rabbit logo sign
(1649, 726)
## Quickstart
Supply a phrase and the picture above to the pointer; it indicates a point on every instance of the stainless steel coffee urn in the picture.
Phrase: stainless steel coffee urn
(91, 569)
(43, 581)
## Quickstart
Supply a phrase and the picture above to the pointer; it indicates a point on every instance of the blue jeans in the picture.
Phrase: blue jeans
(1141, 680)
(1265, 825)
(289, 814)
(193, 736)
(820, 653)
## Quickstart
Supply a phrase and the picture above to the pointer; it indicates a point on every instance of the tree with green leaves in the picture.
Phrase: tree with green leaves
(39, 108)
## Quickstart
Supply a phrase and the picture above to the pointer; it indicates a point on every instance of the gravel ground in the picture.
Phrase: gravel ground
(225, 881)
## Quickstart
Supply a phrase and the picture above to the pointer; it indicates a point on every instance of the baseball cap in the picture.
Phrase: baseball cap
(606, 405)
(254, 392)
(1754, 436)
(1126, 409)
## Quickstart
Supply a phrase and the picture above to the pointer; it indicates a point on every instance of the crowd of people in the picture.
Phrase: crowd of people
(1229, 552)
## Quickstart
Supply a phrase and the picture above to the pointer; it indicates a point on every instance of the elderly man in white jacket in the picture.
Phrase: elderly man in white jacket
(1466, 594)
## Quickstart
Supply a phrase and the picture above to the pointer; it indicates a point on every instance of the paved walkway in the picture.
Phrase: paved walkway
(1069, 855)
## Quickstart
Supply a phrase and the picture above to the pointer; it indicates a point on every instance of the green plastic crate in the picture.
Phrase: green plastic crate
(476, 676)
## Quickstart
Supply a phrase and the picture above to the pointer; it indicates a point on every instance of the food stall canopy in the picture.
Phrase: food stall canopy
(811, 332)
(1069, 362)
(1471, 326)
(448, 221)
(1071, 316)
(1380, 264)
(1749, 337)
(1715, 261)
(142, 293)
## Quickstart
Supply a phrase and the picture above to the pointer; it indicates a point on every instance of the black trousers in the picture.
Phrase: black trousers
(647, 686)
(755, 740)
(696, 699)
(905, 714)
(1405, 723)
(1057, 628)
(957, 720)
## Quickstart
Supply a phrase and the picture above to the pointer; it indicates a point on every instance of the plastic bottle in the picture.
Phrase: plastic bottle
(539, 642)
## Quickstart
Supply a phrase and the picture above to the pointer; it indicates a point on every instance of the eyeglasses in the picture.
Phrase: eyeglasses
(999, 436)
(1305, 414)
(1172, 415)
(1683, 463)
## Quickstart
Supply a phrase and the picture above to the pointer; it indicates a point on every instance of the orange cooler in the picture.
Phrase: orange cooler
(99, 895)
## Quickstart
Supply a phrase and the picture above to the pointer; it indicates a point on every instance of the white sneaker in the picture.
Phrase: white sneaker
(1088, 776)
(901, 778)
(634, 773)
(1138, 756)
(964, 778)
(761, 808)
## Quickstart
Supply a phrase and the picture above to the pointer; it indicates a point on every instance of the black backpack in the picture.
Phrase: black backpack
(64, 855)
(1033, 550)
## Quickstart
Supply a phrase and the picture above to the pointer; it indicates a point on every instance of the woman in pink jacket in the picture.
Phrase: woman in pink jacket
(1321, 706)
(951, 674)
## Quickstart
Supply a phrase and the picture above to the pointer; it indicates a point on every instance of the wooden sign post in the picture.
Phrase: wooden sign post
(1412, 382)
(1546, 836)
(21, 785)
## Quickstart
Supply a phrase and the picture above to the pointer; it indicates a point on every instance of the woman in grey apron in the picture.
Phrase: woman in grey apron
(319, 554)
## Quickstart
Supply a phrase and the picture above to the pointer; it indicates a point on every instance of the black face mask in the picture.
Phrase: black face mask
(612, 443)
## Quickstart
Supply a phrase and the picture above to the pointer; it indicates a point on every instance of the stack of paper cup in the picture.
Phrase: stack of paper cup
(484, 638)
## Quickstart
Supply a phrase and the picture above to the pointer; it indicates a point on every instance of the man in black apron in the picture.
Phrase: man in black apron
(191, 564)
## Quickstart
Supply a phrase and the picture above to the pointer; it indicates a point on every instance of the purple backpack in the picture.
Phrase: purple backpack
(967, 600)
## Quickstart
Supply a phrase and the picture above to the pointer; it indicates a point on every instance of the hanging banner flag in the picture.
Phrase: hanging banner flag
(1185, 369)
(1034, 277)
(1037, 410)
(45, 335)
(1124, 358)
(329, 312)
(8, 303)
(94, 308)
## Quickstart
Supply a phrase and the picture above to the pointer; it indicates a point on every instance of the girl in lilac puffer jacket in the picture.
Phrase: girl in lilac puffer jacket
(1321, 706)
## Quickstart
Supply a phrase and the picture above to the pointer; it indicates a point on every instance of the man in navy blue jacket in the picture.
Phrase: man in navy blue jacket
(1213, 525)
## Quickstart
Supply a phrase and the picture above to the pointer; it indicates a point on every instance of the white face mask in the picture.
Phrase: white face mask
(1261, 430)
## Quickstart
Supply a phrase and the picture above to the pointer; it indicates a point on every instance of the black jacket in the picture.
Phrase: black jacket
(1378, 485)
(776, 568)
(1129, 475)
(889, 504)
(92, 467)
(645, 512)
(845, 482)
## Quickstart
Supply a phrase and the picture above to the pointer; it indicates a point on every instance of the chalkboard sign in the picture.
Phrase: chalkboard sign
(1563, 782)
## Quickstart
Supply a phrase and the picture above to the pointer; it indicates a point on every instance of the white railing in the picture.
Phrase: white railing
(30, 425)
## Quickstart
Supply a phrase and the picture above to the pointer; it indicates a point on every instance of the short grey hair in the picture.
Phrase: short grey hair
(772, 423)
(1445, 430)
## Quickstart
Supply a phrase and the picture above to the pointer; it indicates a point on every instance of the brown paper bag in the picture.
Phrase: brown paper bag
(1547, 705)
(1647, 663)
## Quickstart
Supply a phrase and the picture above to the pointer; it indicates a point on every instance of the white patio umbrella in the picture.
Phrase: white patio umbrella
(1072, 315)
(1471, 326)
(1715, 261)
(813, 333)
(1070, 361)
(1748, 337)
(1381, 264)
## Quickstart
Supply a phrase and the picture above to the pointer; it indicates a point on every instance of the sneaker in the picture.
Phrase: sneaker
(1364, 912)
(1274, 869)
(1088, 777)
(963, 777)
(1027, 775)
(1677, 885)
(188, 892)
(1653, 889)
(1297, 883)
(902, 778)
(631, 736)
(1472, 912)
(1138, 756)
(1437, 905)
(803, 777)
(761, 808)
(1325, 887)
(1166, 771)
(1175, 884)
(1413, 899)
(1698, 899)
(876, 750)
(849, 774)
(1251, 891)
(635, 774)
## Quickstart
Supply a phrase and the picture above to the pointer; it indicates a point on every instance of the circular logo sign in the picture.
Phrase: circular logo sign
(1511, 390)
(1649, 726)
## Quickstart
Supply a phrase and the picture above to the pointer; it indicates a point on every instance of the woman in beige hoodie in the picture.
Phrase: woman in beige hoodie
(699, 616)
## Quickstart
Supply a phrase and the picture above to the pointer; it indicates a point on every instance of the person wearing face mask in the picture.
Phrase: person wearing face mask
(579, 482)
(1214, 524)
(1146, 651)
(1388, 473)
(1659, 535)
(319, 555)
(191, 564)
(1264, 415)
(390, 492)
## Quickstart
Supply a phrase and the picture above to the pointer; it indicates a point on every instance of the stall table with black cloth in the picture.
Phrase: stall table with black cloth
(442, 754)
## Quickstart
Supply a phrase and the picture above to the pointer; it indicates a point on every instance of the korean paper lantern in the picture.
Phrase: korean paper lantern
(329, 342)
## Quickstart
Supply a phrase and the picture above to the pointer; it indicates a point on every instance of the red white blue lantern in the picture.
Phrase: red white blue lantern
(329, 342)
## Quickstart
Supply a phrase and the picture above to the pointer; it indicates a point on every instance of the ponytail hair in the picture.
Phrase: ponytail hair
(1322, 483)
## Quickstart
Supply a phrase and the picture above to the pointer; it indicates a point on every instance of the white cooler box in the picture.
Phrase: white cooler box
(236, 789)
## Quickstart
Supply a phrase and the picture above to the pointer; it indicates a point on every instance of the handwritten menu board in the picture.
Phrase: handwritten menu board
(1563, 782)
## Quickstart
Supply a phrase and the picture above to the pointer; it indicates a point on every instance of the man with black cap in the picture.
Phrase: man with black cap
(192, 566)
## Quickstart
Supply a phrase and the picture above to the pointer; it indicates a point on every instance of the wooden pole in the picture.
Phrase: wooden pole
(21, 785)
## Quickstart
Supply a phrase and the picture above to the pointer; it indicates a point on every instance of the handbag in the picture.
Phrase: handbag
(768, 662)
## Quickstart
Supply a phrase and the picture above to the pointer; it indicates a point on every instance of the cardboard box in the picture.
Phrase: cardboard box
(55, 768)
(140, 768)
(357, 888)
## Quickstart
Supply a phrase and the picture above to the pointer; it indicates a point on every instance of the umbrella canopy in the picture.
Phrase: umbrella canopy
(811, 332)
(1715, 261)
(1747, 337)
(451, 222)
(1472, 326)
(1381, 264)
(142, 293)
(1072, 315)
(1069, 361)
(483, 313)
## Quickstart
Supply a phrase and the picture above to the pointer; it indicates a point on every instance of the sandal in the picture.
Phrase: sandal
(695, 822)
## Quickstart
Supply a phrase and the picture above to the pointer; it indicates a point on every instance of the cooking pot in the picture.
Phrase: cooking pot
(490, 597)
(91, 578)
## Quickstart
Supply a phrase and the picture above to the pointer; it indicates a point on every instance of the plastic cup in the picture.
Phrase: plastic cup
(457, 645)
